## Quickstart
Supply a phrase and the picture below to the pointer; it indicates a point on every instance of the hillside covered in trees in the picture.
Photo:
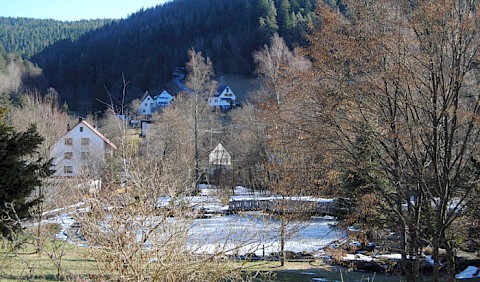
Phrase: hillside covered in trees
(147, 46)
(29, 36)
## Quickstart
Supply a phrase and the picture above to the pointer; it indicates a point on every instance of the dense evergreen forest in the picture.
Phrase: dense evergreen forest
(146, 47)
(29, 36)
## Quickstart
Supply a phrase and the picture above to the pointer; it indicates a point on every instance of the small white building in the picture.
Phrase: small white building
(220, 156)
(148, 105)
(151, 103)
(81, 151)
(225, 98)
(163, 99)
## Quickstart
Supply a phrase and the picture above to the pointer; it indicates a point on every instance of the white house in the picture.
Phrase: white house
(148, 105)
(225, 98)
(81, 150)
(220, 156)
(163, 99)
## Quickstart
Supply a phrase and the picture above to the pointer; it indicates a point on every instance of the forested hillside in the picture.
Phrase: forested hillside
(147, 46)
(29, 36)
(85, 60)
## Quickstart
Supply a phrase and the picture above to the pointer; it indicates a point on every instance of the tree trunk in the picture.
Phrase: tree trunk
(282, 243)
(450, 256)
(436, 259)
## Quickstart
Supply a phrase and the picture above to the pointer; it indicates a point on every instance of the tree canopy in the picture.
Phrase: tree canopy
(21, 171)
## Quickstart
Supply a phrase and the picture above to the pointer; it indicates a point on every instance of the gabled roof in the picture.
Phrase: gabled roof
(220, 91)
(145, 96)
(99, 134)
(220, 156)
(164, 91)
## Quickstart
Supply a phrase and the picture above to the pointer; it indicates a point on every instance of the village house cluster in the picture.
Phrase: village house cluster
(223, 99)
(83, 149)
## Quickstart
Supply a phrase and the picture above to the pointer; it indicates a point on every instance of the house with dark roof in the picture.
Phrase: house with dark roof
(151, 103)
(148, 105)
(225, 98)
(81, 151)
(163, 99)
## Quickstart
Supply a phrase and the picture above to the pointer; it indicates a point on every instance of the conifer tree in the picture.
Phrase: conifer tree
(20, 172)
(268, 20)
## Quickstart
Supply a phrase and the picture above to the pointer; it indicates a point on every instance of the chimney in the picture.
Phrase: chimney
(68, 127)
(80, 120)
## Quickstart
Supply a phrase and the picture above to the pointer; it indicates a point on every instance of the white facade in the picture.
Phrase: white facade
(224, 98)
(81, 151)
(220, 156)
(163, 99)
(148, 106)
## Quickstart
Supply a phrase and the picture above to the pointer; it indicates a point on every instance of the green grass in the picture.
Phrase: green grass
(78, 263)
(58, 257)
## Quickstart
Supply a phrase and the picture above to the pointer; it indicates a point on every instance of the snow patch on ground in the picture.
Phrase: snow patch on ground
(391, 256)
(357, 257)
(259, 234)
(236, 234)
(469, 273)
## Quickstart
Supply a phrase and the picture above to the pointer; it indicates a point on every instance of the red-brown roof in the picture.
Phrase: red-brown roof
(99, 134)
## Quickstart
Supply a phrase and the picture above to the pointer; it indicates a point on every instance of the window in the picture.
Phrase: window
(81, 128)
(68, 155)
(143, 110)
(151, 105)
(85, 141)
(68, 169)
(146, 104)
(85, 169)
(85, 155)
(68, 141)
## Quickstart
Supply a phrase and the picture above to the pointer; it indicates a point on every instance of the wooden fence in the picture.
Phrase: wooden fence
(283, 206)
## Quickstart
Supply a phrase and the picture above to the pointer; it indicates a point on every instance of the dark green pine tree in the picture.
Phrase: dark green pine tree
(19, 175)
(268, 18)
(285, 23)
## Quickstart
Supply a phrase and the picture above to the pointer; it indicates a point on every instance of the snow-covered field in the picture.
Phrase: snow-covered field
(252, 232)
(245, 233)
(259, 234)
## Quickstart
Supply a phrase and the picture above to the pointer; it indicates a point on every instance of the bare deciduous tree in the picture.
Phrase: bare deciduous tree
(289, 169)
(202, 86)
(405, 75)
